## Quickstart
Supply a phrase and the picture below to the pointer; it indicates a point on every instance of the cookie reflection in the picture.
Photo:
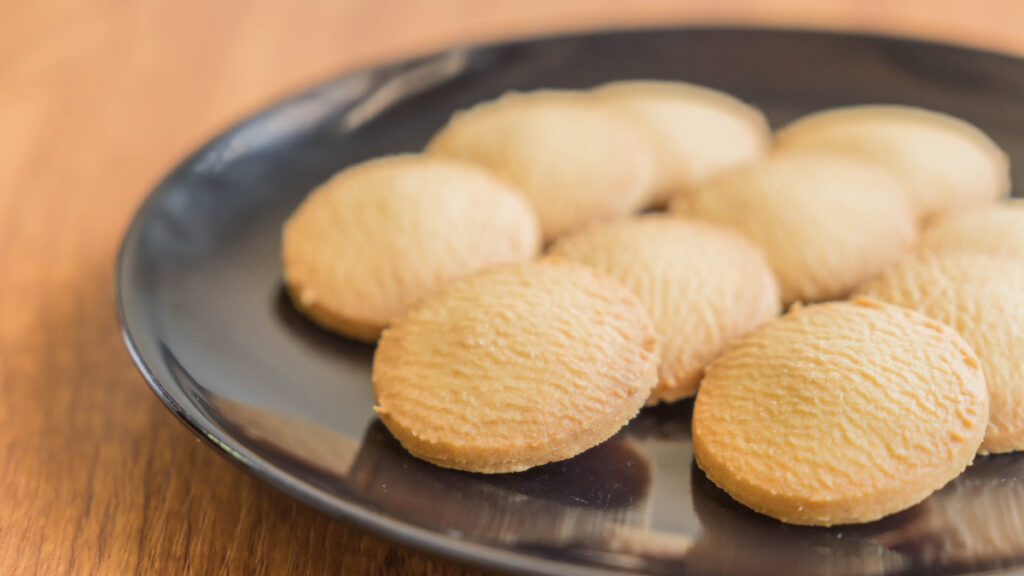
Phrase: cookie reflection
(580, 500)
(975, 523)
(737, 540)
(284, 437)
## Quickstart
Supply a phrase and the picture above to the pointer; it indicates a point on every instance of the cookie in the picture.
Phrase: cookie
(574, 161)
(702, 286)
(946, 163)
(694, 131)
(826, 222)
(515, 367)
(840, 413)
(997, 230)
(982, 297)
(381, 235)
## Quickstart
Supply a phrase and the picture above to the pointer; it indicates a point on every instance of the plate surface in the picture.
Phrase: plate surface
(205, 318)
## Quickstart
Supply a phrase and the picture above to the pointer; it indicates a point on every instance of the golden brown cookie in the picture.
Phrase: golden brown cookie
(702, 285)
(997, 230)
(575, 161)
(840, 413)
(826, 222)
(380, 235)
(695, 131)
(945, 162)
(515, 367)
(982, 297)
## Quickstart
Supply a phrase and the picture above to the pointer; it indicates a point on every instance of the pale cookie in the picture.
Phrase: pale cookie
(695, 131)
(702, 286)
(575, 161)
(826, 222)
(380, 235)
(840, 413)
(982, 298)
(997, 230)
(515, 367)
(945, 162)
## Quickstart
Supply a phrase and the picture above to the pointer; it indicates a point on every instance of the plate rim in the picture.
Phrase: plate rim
(378, 523)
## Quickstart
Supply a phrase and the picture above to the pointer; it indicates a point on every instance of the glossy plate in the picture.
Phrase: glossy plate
(205, 318)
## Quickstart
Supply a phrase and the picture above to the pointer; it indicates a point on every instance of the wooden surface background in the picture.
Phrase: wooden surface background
(97, 100)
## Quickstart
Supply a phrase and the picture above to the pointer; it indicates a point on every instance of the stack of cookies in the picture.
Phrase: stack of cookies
(555, 260)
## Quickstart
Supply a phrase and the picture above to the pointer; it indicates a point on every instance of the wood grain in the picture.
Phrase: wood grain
(97, 100)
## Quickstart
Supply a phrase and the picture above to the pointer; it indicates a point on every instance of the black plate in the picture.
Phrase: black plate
(205, 319)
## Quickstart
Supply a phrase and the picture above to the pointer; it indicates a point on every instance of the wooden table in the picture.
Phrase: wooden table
(97, 100)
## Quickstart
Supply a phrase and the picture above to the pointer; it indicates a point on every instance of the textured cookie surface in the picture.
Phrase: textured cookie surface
(840, 413)
(381, 235)
(996, 230)
(982, 298)
(945, 162)
(694, 131)
(514, 367)
(702, 285)
(827, 223)
(575, 161)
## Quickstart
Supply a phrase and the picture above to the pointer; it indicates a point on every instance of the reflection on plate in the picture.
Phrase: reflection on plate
(577, 501)
(974, 523)
(204, 317)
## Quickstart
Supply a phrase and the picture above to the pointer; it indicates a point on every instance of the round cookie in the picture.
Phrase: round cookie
(945, 162)
(694, 131)
(574, 161)
(827, 223)
(515, 367)
(840, 413)
(702, 286)
(997, 230)
(380, 235)
(982, 298)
